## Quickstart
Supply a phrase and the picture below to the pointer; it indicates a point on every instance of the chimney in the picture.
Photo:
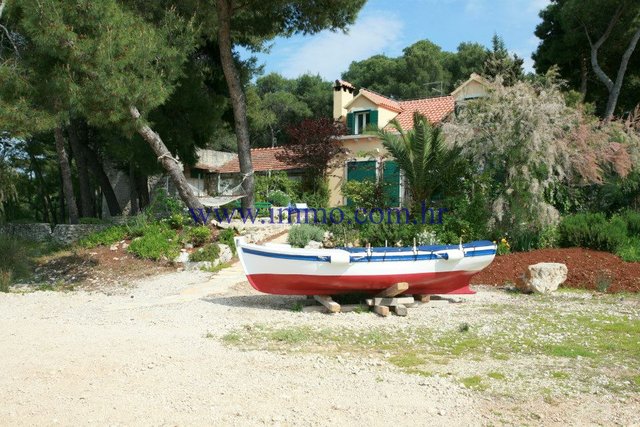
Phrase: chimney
(342, 95)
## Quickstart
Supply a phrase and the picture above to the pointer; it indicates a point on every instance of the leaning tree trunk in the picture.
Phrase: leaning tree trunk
(65, 172)
(169, 164)
(87, 206)
(238, 101)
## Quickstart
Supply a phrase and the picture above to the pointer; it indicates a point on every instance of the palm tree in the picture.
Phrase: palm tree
(429, 165)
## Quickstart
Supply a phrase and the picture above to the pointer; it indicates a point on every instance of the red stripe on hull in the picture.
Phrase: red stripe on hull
(454, 282)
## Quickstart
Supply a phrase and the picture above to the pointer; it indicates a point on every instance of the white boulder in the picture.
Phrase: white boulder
(544, 277)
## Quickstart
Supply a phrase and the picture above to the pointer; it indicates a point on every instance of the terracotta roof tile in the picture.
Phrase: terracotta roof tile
(381, 100)
(263, 159)
(435, 109)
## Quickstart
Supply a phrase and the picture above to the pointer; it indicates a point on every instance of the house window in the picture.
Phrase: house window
(361, 121)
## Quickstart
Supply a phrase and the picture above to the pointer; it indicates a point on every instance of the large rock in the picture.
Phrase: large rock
(543, 277)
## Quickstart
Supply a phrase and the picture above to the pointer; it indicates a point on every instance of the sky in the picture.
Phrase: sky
(388, 26)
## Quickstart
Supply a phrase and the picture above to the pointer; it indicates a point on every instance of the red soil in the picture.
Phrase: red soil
(586, 268)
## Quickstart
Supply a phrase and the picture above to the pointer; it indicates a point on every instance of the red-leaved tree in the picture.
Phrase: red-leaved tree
(314, 146)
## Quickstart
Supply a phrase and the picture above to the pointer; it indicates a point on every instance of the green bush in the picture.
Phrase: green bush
(300, 235)
(279, 198)
(157, 242)
(15, 256)
(630, 251)
(209, 252)
(226, 237)
(177, 221)
(594, 231)
(549, 237)
(106, 237)
(199, 235)
(632, 218)
(363, 194)
(163, 206)
(276, 181)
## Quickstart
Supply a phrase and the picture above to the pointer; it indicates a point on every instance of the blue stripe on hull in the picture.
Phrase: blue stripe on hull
(373, 258)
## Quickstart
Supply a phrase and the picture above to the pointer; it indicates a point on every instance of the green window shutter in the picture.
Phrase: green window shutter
(391, 183)
(373, 117)
(350, 123)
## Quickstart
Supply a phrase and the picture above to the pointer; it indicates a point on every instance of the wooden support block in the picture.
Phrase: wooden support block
(381, 310)
(326, 300)
(394, 290)
(393, 301)
(422, 298)
(400, 310)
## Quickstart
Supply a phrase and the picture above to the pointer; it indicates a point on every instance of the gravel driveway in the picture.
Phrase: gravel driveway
(153, 354)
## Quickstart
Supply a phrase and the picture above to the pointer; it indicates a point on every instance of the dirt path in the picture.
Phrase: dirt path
(153, 354)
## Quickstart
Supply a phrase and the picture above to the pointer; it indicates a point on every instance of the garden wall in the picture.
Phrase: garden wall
(61, 233)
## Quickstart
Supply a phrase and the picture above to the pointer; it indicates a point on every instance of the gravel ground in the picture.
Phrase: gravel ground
(152, 354)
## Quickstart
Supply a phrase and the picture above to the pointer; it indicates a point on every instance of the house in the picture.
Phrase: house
(366, 109)
(264, 160)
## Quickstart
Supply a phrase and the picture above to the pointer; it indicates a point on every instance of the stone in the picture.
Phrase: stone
(182, 258)
(225, 253)
(544, 277)
(113, 247)
(313, 245)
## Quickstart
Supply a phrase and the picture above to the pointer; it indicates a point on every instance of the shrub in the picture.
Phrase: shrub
(5, 280)
(199, 235)
(157, 242)
(177, 221)
(15, 257)
(391, 234)
(630, 251)
(105, 237)
(226, 237)
(300, 235)
(549, 237)
(632, 218)
(163, 206)
(209, 252)
(363, 194)
(593, 231)
(279, 198)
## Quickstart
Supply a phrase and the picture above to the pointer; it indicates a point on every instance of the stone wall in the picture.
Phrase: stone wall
(61, 233)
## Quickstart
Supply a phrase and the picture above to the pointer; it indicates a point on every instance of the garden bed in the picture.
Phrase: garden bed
(588, 269)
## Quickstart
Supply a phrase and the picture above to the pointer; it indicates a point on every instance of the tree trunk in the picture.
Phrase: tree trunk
(133, 193)
(169, 164)
(584, 77)
(238, 100)
(103, 181)
(613, 87)
(614, 94)
(87, 206)
(65, 171)
(41, 188)
(142, 188)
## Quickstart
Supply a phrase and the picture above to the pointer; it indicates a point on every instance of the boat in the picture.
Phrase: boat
(438, 269)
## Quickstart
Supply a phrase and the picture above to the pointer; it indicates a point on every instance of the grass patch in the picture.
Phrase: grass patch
(496, 376)
(5, 280)
(216, 268)
(406, 360)
(19, 257)
(474, 383)
(559, 375)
